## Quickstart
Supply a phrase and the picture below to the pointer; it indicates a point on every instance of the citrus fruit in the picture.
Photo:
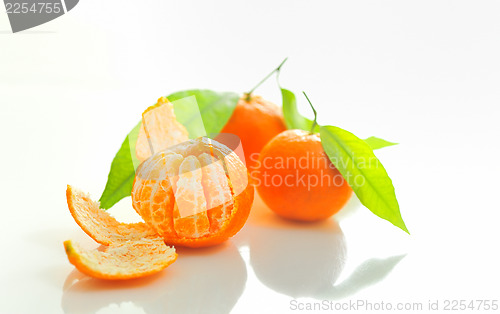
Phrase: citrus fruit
(130, 250)
(255, 121)
(296, 179)
(193, 194)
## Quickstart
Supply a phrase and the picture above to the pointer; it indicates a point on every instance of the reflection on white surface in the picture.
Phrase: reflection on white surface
(200, 281)
(306, 259)
(366, 274)
(299, 260)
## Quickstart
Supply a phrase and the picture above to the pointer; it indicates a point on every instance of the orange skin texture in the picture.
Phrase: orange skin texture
(289, 197)
(102, 228)
(162, 220)
(156, 261)
(255, 122)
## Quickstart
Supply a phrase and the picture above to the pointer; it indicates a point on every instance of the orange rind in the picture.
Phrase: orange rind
(122, 260)
(297, 180)
(129, 250)
(159, 130)
(99, 224)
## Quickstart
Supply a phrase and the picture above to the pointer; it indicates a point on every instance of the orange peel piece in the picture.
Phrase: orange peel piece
(159, 130)
(99, 224)
(123, 260)
(129, 250)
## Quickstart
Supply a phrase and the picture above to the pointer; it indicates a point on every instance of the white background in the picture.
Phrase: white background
(425, 74)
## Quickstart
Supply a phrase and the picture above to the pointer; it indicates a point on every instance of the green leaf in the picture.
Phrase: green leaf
(122, 173)
(293, 119)
(212, 112)
(215, 107)
(358, 164)
(377, 143)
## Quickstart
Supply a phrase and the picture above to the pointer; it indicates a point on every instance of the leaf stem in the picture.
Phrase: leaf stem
(278, 69)
(315, 123)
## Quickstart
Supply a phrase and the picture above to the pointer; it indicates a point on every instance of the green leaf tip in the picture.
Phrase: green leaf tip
(366, 175)
(377, 143)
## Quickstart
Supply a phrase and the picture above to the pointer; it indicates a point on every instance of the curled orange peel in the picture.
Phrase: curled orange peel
(122, 260)
(130, 250)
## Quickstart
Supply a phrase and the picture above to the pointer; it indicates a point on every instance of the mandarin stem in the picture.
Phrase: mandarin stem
(315, 114)
(248, 94)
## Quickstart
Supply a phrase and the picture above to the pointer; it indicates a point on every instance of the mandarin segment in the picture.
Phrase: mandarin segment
(217, 191)
(122, 260)
(238, 179)
(153, 191)
(190, 211)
